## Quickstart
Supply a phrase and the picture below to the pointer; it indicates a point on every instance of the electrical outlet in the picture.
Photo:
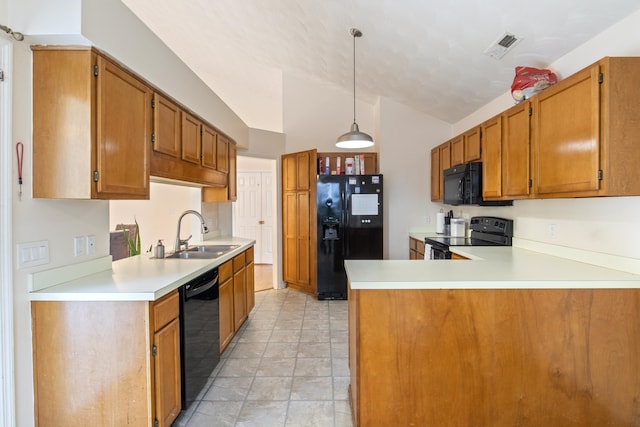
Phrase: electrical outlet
(427, 219)
(79, 245)
(553, 231)
(91, 244)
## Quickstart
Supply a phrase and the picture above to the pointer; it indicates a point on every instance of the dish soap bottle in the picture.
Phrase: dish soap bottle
(160, 249)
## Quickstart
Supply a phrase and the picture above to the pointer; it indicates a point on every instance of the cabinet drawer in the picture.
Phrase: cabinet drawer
(420, 247)
(239, 262)
(249, 255)
(225, 271)
(412, 243)
(165, 310)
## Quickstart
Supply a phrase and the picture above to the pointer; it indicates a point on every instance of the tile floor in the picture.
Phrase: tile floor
(287, 366)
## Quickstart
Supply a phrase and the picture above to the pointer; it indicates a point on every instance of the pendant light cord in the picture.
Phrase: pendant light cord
(354, 32)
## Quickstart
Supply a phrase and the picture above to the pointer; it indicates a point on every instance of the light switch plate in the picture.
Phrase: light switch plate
(32, 253)
(79, 245)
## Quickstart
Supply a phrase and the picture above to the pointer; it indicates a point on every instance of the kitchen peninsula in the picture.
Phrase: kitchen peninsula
(509, 337)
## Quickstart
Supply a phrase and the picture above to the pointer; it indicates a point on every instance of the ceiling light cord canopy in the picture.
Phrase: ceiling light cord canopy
(354, 138)
(16, 35)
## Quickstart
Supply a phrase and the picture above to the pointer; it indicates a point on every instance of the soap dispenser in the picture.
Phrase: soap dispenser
(160, 249)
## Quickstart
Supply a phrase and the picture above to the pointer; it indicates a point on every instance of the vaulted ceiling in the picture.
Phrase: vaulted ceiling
(426, 54)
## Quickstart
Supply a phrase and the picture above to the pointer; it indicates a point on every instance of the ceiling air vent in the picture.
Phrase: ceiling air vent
(502, 45)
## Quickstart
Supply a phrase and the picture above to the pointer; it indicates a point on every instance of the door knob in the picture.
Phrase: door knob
(260, 222)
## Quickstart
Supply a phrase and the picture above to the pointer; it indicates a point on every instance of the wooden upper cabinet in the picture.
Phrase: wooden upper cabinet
(104, 152)
(232, 176)
(222, 147)
(440, 160)
(472, 146)
(457, 151)
(566, 140)
(209, 147)
(516, 151)
(166, 126)
(191, 138)
(492, 158)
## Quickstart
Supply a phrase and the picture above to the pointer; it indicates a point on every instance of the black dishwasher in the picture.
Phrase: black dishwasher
(199, 333)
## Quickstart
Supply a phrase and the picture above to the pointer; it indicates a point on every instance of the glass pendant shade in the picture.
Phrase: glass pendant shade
(354, 138)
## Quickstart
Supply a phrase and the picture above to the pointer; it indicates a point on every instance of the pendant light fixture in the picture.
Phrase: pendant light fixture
(354, 138)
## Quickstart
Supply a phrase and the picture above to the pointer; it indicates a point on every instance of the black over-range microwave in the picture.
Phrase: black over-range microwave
(462, 185)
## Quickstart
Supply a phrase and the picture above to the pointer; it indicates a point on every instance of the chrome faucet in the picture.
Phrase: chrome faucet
(185, 242)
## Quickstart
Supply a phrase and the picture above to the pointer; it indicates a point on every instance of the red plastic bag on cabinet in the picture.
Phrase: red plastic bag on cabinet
(529, 81)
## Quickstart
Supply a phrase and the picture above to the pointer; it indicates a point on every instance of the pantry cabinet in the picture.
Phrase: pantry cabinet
(111, 362)
(299, 234)
(91, 126)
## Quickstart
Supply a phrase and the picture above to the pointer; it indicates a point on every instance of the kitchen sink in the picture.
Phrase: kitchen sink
(203, 252)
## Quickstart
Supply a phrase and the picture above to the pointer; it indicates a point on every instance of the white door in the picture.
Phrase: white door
(253, 213)
(266, 250)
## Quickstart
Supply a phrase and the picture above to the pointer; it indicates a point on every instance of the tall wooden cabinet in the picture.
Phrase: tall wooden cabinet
(298, 220)
(91, 127)
(106, 362)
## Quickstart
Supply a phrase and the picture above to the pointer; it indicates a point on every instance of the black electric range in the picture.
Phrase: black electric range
(485, 231)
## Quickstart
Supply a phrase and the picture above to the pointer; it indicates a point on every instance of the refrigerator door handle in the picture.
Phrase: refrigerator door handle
(345, 225)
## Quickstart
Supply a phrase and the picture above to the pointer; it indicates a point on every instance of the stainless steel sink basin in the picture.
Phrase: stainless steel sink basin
(212, 248)
(203, 252)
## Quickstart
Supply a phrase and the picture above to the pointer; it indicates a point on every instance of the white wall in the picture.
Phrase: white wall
(316, 114)
(405, 140)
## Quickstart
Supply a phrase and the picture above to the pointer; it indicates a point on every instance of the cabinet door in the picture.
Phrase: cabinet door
(123, 134)
(445, 157)
(457, 151)
(567, 135)
(305, 170)
(492, 158)
(472, 146)
(209, 147)
(226, 313)
(239, 298)
(251, 288)
(436, 177)
(167, 373)
(516, 151)
(232, 177)
(166, 126)
(290, 239)
(191, 138)
(222, 148)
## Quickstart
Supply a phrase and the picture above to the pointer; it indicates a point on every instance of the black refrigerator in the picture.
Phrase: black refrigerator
(349, 212)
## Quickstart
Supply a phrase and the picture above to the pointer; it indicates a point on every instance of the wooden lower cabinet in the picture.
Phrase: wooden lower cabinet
(239, 291)
(106, 362)
(494, 357)
(225, 274)
(416, 248)
(237, 297)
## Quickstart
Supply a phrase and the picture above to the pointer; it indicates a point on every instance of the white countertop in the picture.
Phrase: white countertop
(138, 278)
(490, 267)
